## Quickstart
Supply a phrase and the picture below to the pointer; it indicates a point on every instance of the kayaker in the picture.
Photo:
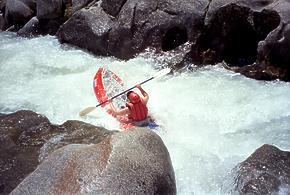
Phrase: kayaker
(136, 107)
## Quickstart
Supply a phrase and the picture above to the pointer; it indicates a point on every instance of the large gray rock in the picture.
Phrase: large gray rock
(88, 29)
(274, 52)
(112, 7)
(234, 29)
(18, 12)
(17, 159)
(77, 157)
(266, 171)
(50, 14)
(135, 25)
(49, 9)
(273, 57)
(72, 6)
(79, 4)
(27, 138)
(164, 25)
(131, 162)
(30, 29)
(248, 36)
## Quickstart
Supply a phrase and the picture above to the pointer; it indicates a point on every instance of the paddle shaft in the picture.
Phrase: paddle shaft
(124, 92)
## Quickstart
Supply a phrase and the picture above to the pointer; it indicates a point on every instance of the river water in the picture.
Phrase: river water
(211, 118)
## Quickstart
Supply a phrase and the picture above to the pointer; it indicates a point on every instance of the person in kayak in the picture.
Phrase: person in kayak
(136, 108)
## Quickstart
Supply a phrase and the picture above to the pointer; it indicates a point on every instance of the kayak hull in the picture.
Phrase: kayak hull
(102, 93)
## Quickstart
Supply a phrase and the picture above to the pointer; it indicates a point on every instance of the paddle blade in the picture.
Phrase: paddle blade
(86, 111)
(162, 72)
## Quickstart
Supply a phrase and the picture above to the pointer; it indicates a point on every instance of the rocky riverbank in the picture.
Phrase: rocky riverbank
(251, 37)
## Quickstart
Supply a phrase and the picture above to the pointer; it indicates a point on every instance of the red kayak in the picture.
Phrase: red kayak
(106, 85)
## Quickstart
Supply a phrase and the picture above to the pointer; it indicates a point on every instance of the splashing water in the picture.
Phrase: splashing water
(212, 118)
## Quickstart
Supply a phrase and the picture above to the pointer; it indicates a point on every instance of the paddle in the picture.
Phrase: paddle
(157, 75)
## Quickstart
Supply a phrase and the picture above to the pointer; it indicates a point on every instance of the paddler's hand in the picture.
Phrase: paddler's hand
(112, 109)
(138, 86)
(110, 102)
(143, 93)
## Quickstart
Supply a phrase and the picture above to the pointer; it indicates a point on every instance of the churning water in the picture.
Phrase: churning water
(212, 118)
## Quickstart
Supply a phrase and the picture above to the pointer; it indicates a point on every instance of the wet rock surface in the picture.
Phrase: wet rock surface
(76, 5)
(113, 7)
(266, 171)
(136, 25)
(38, 157)
(30, 29)
(236, 32)
(89, 29)
(251, 37)
(27, 138)
(18, 12)
(131, 162)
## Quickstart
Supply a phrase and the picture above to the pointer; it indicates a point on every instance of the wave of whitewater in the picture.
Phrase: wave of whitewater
(212, 118)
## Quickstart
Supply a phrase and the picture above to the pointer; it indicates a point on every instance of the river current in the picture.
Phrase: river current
(211, 118)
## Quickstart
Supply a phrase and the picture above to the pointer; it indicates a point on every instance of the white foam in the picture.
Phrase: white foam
(213, 118)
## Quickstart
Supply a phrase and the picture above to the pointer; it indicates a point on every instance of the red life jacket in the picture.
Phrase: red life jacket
(139, 110)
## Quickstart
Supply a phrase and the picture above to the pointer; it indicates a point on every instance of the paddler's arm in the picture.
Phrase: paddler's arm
(122, 111)
(145, 95)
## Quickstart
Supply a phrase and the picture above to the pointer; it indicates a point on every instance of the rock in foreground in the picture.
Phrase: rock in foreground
(131, 162)
(77, 158)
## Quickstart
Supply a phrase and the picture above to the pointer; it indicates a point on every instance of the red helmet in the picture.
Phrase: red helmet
(133, 97)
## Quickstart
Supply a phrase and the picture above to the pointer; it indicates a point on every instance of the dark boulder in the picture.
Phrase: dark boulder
(79, 4)
(49, 9)
(77, 157)
(233, 31)
(273, 57)
(88, 29)
(274, 51)
(266, 171)
(261, 72)
(112, 7)
(135, 25)
(2, 6)
(72, 6)
(17, 159)
(30, 29)
(164, 25)
(28, 138)
(50, 14)
(250, 36)
(2, 22)
(18, 12)
(50, 26)
(131, 162)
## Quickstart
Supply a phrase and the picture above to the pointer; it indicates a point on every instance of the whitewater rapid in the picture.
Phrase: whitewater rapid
(212, 118)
